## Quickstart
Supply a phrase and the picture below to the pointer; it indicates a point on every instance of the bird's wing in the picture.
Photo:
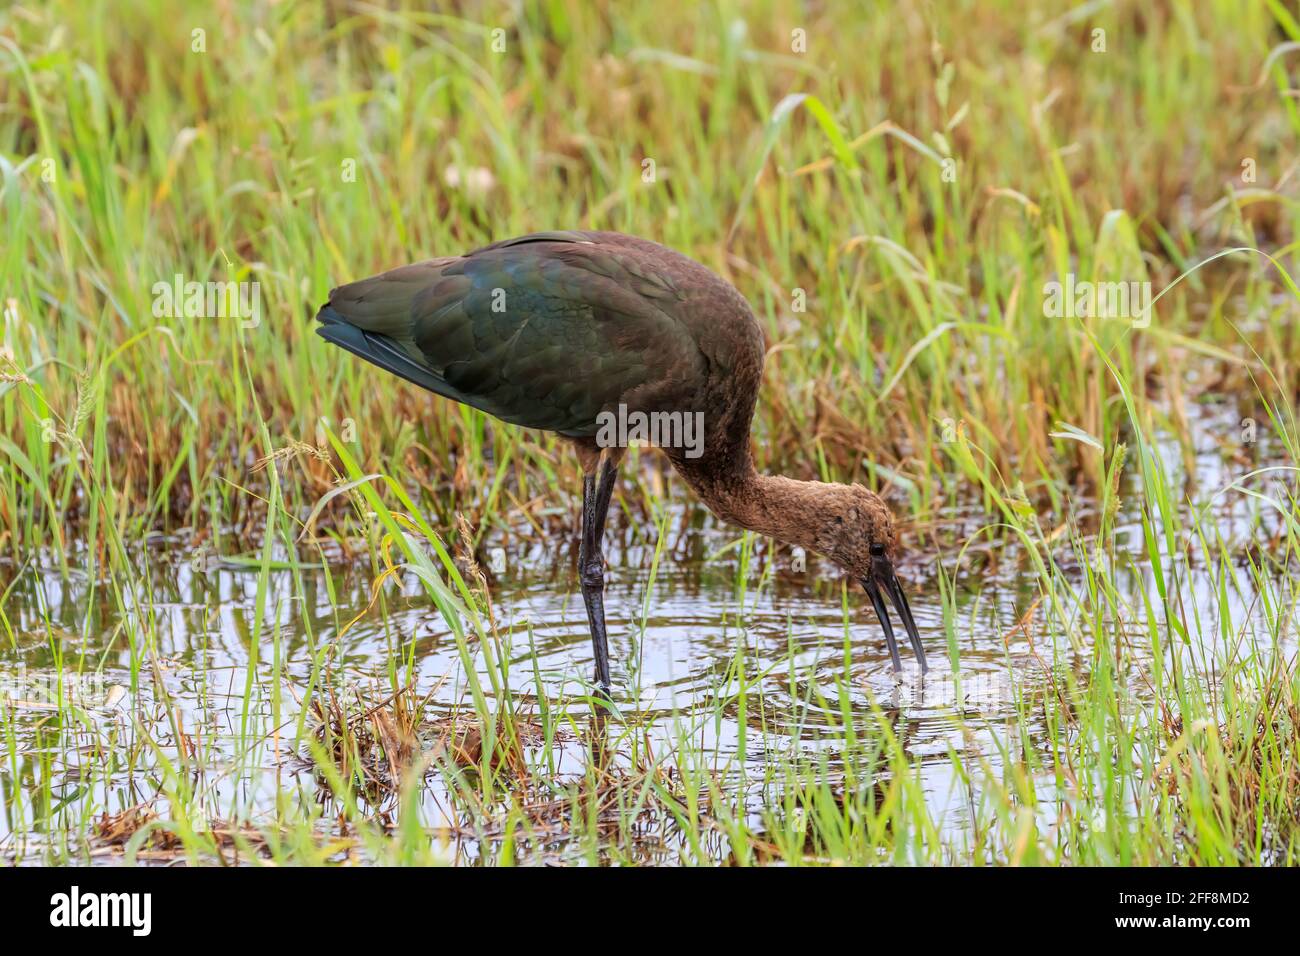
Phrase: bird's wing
(544, 331)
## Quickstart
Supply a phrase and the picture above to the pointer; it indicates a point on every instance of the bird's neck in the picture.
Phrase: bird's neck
(786, 509)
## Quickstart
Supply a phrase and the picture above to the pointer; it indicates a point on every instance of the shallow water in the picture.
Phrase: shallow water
(675, 644)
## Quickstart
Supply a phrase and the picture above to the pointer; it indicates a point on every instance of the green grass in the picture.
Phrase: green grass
(903, 300)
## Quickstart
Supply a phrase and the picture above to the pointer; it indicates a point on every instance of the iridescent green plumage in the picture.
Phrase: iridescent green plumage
(544, 331)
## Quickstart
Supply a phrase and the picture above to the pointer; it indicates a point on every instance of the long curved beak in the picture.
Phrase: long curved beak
(885, 578)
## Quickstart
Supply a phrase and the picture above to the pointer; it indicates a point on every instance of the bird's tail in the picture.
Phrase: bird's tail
(374, 318)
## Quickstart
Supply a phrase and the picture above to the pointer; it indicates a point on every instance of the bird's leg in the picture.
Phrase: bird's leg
(596, 493)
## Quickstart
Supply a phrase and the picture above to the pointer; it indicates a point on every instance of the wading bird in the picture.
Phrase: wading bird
(555, 329)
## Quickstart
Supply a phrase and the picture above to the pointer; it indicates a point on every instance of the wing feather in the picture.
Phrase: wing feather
(544, 331)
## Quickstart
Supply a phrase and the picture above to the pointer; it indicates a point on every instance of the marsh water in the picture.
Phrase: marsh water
(214, 689)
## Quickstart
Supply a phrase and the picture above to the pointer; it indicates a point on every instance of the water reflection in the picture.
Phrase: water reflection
(188, 656)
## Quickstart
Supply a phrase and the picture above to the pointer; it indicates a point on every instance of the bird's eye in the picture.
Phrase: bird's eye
(877, 549)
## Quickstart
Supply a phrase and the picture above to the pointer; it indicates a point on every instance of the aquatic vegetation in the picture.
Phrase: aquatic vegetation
(258, 604)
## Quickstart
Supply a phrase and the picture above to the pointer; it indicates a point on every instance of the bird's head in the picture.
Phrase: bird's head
(855, 528)
(858, 533)
(848, 524)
